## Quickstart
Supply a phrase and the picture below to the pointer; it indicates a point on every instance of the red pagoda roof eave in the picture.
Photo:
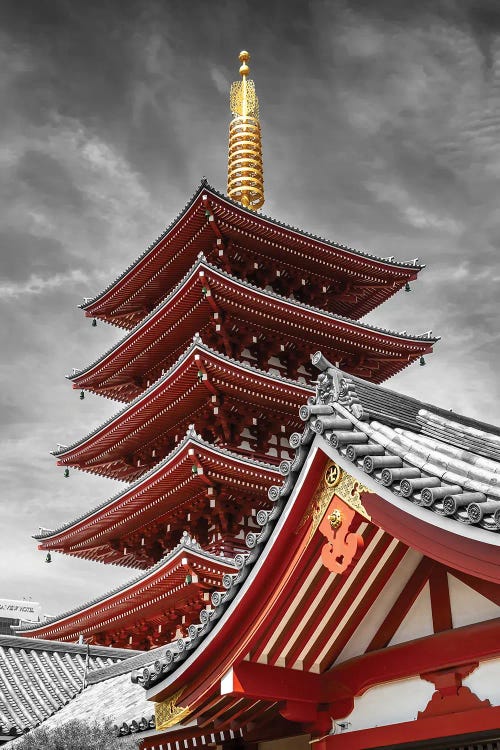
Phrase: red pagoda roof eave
(51, 540)
(149, 578)
(277, 384)
(201, 267)
(89, 306)
(358, 257)
(78, 379)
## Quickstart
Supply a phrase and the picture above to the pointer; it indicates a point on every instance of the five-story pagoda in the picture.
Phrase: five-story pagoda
(221, 316)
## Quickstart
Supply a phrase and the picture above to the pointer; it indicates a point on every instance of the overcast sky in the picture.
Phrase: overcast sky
(381, 130)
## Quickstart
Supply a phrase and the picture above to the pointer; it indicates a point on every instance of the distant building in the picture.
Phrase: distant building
(17, 612)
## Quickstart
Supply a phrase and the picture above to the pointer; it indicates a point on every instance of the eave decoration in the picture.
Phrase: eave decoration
(333, 510)
(168, 713)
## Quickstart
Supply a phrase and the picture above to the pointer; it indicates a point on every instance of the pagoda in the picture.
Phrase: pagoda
(221, 315)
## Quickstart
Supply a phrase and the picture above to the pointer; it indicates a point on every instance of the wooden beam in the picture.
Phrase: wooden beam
(487, 589)
(401, 606)
(364, 606)
(353, 582)
(440, 599)
(439, 651)
(272, 683)
(467, 725)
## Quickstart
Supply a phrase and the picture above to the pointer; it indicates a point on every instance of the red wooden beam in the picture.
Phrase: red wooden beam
(364, 606)
(451, 549)
(319, 615)
(360, 576)
(487, 589)
(469, 724)
(440, 599)
(211, 217)
(402, 605)
(439, 651)
(273, 683)
(308, 598)
(280, 612)
(296, 688)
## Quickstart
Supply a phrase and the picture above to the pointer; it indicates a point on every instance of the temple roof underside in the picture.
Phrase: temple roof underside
(241, 320)
(188, 483)
(155, 601)
(220, 396)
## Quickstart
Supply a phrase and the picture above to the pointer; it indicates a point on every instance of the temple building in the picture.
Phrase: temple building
(316, 555)
(38, 678)
(365, 612)
(15, 612)
(221, 317)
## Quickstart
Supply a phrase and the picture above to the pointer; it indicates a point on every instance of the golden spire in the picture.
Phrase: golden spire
(245, 178)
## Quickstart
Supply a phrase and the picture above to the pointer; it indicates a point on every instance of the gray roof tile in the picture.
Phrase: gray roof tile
(38, 678)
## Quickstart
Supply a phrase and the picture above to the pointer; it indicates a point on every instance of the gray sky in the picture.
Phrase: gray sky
(381, 130)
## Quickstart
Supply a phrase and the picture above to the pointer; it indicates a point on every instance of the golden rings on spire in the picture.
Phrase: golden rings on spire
(245, 179)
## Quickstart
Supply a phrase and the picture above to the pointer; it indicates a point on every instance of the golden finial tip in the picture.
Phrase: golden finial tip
(244, 57)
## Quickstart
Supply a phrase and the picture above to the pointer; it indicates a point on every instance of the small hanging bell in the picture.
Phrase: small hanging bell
(94, 323)
(189, 578)
(48, 558)
(66, 473)
(407, 287)
(422, 362)
(82, 395)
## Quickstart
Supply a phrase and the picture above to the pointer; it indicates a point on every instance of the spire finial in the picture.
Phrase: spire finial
(245, 179)
(244, 57)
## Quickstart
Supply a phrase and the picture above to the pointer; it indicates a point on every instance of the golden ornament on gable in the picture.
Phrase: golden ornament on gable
(333, 475)
(335, 519)
(335, 482)
(168, 713)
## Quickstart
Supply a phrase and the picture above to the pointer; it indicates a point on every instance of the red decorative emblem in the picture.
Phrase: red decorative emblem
(343, 546)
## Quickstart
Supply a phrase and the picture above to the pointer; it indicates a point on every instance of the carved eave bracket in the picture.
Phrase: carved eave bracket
(451, 696)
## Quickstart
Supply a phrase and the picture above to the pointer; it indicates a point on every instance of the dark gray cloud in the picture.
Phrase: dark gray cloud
(381, 130)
